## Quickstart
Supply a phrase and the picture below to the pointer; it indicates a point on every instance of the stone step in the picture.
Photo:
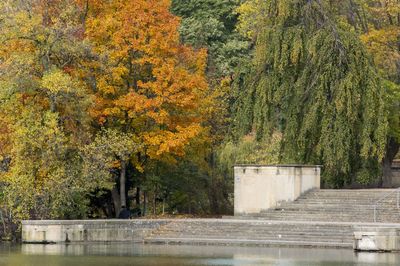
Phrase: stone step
(255, 223)
(224, 241)
(219, 229)
(258, 232)
(304, 222)
(330, 213)
(326, 215)
(318, 219)
(223, 231)
(286, 238)
(337, 205)
(351, 191)
(343, 235)
(367, 202)
(326, 218)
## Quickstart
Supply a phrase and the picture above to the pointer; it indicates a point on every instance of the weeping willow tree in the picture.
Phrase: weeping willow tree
(313, 81)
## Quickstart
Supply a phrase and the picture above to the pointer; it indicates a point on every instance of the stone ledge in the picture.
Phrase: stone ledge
(245, 242)
(278, 165)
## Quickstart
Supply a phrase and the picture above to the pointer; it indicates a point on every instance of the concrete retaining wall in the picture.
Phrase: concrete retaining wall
(87, 231)
(376, 238)
(259, 187)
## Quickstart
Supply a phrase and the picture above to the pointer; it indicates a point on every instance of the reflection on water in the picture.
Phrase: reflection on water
(165, 255)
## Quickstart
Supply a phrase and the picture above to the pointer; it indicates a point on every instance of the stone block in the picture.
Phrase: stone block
(377, 239)
(261, 187)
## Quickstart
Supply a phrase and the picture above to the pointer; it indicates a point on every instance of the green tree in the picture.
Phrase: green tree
(111, 149)
(377, 23)
(313, 81)
(381, 35)
(211, 24)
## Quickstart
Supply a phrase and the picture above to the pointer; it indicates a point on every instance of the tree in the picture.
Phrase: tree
(147, 85)
(111, 149)
(312, 80)
(211, 24)
(381, 35)
(377, 24)
(45, 109)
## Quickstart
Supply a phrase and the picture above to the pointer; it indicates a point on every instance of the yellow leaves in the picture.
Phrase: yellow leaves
(19, 23)
(160, 142)
(143, 24)
(104, 86)
(160, 116)
(5, 136)
(296, 49)
(147, 81)
(384, 9)
(383, 29)
(383, 45)
(41, 49)
(246, 10)
(387, 36)
(251, 14)
(56, 81)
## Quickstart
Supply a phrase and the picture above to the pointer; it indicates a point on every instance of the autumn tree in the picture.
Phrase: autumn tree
(44, 109)
(147, 85)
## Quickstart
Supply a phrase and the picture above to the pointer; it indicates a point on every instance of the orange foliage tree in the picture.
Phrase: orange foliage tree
(146, 83)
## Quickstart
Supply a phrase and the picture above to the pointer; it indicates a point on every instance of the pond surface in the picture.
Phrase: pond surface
(170, 255)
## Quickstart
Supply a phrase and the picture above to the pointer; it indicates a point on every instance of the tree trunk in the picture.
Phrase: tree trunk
(391, 151)
(137, 197)
(52, 100)
(144, 202)
(116, 200)
(122, 185)
(154, 204)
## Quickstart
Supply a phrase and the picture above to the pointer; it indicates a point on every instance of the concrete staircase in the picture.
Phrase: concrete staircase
(338, 206)
(323, 218)
(252, 232)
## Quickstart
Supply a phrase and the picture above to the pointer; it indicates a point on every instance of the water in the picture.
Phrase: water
(165, 255)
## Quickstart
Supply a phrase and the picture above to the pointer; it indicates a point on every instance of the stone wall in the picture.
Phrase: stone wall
(87, 230)
(259, 187)
(369, 238)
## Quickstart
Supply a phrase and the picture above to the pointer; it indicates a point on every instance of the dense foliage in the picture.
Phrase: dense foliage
(211, 24)
(313, 81)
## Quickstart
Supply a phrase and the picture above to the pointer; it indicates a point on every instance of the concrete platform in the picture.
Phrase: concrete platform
(245, 232)
(318, 218)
